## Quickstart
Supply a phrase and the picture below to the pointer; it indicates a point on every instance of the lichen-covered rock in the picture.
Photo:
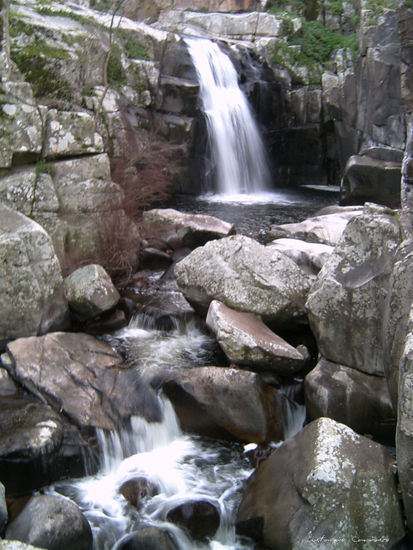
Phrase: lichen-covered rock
(359, 400)
(89, 291)
(396, 315)
(68, 134)
(195, 229)
(81, 376)
(309, 256)
(16, 545)
(246, 340)
(31, 286)
(20, 122)
(346, 302)
(245, 276)
(325, 229)
(327, 487)
(404, 433)
(52, 522)
(226, 403)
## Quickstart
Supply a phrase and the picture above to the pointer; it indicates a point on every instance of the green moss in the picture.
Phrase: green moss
(34, 62)
(43, 167)
(132, 48)
(116, 74)
(18, 26)
(378, 6)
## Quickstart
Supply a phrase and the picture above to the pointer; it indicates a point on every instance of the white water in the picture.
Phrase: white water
(237, 151)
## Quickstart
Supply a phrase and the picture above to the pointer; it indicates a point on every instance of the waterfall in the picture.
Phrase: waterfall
(237, 152)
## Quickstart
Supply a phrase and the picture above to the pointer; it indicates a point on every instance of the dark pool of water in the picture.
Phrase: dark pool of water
(254, 216)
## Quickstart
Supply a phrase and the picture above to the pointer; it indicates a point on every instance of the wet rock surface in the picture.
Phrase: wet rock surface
(199, 517)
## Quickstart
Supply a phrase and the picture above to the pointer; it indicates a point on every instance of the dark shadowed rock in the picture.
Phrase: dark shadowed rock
(137, 489)
(226, 403)
(359, 400)
(81, 376)
(246, 340)
(245, 276)
(199, 517)
(3, 508)
(53, 523)
(325, 483)
(37, 446)
(148, 538)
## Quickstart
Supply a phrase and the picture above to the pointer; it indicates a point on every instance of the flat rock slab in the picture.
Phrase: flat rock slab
(246, 340)
(190, 229)
(82, 377)
(245, 276)
(226, 403)
(309, 256)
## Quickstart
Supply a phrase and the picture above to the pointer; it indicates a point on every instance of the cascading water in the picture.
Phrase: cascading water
(237, 151)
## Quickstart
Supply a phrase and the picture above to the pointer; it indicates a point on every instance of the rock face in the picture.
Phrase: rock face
(82, 377)
(51, 522)
(226, 403)
(325, 484)
(190, 229)
(404, 434)
(359, 400)
(346, 302)
(3, 508)
(89, 291)
(37, 445)
(245, 276)
(246, 340)
(31, 287)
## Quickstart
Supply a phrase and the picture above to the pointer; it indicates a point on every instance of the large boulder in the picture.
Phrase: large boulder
(82, 377)
(346, 302)
(37, 445)
(245, 276)
(404, 433)
(51, 522)
(226, 403)
(190, 229)
(148, 538)
(327, 487)
(325, 228)
(89, 291)
(199, 518)
(396, 315)
(31, 286)
(368, 178)
(246, 340)
(16, 545)
(359, 400)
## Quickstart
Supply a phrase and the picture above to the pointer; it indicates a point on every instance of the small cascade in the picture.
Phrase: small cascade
(294, 413)
(238, 158)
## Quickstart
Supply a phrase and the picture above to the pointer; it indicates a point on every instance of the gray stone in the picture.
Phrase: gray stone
(359, 400)
(82, 377)
(188, 228)
(3, 508)
(325, 229)
(404, 434)
(68, 134)
(327, 487)
(148, 538)
(52, 522)
(31, 287)
(309, 256)
(20, 121)
(16, 545)
(226, 403)
(245, 276)
(246, 340)
(346, 302)
(89, 291)
(7, 385)
(369, 179)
